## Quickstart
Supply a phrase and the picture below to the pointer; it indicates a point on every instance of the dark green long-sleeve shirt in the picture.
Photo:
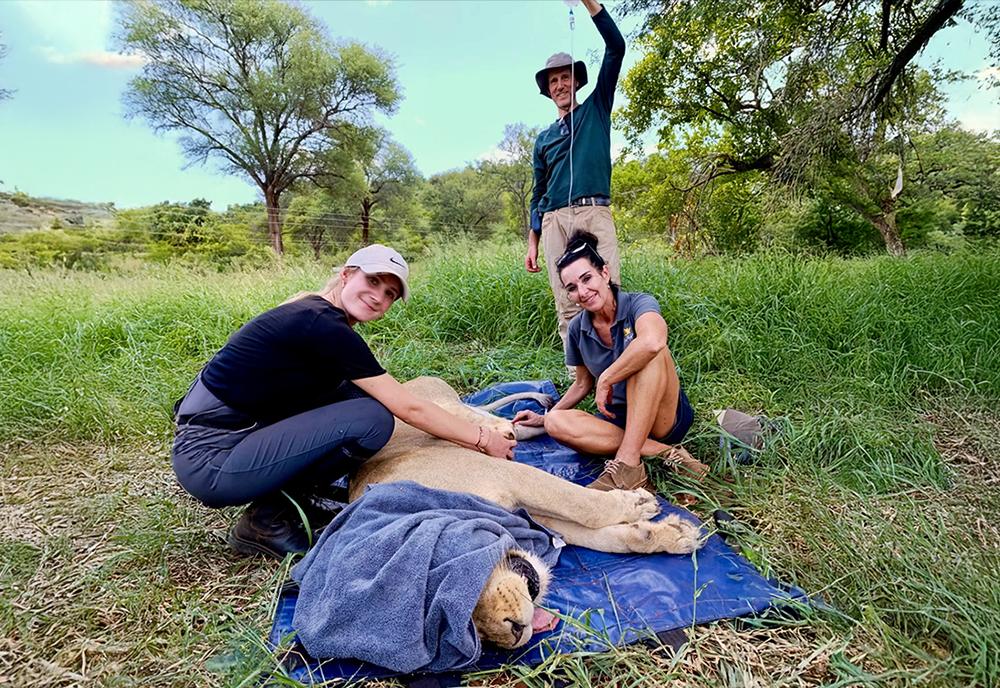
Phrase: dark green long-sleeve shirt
(591, 135)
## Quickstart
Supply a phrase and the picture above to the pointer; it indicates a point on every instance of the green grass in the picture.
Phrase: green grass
(880, 492)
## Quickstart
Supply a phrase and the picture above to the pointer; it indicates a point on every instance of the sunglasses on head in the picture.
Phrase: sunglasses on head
(578, 252)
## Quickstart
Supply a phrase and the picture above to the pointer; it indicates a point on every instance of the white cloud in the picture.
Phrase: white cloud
(494, 155)
(99, 58)
(112, 60)
(989, 74)
(984, 120)
(974, 105)
(76, 32)
(54, 56)
(708, 50)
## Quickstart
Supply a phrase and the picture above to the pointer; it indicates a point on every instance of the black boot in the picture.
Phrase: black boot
(270, 526)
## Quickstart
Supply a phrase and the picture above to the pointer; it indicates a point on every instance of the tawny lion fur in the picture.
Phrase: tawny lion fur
(615, 521)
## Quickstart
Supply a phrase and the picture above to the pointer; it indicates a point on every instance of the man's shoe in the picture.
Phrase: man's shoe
(270, 528)
(621, 476)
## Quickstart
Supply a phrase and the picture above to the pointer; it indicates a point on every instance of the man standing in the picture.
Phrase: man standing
(572, 161)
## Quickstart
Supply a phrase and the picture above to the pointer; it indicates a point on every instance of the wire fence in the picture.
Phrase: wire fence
(183, 226)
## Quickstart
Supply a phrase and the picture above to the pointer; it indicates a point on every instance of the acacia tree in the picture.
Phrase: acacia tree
(254, 84)
(514, 173)
(319, 217)
(789, 89)
(388, 174)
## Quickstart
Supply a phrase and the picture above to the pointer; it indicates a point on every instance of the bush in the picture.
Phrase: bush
(823, 223)
(20, 199)
(74, 250)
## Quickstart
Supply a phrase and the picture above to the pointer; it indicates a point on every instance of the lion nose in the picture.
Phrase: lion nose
(516, 629)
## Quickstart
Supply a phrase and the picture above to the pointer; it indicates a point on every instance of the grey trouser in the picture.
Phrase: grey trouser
(557, 226)
(223, 458)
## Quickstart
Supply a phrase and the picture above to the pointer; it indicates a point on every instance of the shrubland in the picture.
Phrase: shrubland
(878, 494)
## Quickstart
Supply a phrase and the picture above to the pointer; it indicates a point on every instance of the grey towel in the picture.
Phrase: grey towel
(395, 577)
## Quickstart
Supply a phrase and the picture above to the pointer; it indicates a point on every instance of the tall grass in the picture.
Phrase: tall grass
(849, 342)
(852, 498)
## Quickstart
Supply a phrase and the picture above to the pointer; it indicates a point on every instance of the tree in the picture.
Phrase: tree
(790, 89)
(648, 193)
(514, 173)
(4, 92)
(322, 217)
(960, 169)
(462, 200)
(253, 83)
(389, 175)
(652, 199)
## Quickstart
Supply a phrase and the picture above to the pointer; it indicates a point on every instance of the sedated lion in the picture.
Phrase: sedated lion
(615, 521)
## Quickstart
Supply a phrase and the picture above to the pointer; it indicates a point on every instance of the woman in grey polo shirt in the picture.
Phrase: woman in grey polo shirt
(618, 346)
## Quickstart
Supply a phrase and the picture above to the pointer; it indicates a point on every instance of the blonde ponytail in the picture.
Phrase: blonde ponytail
(331, 286)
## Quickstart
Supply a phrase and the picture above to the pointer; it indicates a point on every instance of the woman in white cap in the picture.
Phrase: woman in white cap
(295, 399)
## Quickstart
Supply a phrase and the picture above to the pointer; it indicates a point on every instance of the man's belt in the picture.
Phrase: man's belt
(591, 200)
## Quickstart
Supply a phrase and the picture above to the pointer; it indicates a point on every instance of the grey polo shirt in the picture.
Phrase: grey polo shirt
(584, 345)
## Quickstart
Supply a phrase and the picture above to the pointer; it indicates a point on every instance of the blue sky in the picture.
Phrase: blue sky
(466, 70)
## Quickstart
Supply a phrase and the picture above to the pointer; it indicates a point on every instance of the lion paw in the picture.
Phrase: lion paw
(639, 505)
(673, 534)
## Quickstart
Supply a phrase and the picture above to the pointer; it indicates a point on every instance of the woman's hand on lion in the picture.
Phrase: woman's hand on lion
(529, 418)
(497, 445)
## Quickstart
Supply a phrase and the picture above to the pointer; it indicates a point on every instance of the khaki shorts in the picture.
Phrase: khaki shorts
(557, 226)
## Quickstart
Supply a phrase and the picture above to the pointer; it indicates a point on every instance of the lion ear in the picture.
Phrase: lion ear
(541, 568)
(544, 578)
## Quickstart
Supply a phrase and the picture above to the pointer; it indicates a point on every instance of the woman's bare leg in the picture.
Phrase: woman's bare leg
(647, 393)
(665, 404)
(652, 395)
(592, 435)
(649, 402)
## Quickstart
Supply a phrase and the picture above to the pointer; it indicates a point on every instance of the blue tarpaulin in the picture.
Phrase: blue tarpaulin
(612, 599)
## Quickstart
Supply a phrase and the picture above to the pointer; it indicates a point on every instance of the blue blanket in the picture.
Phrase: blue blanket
(395, 577)
(615, 599)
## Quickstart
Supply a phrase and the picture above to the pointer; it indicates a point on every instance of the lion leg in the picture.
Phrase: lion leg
(543, 494)
(673, 534)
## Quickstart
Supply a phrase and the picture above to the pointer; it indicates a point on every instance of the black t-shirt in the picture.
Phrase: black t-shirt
(289, 360)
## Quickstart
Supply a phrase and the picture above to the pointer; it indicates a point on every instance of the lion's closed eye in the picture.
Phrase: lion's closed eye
(506, 607)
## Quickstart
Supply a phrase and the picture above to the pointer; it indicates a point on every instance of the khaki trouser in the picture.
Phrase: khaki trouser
(557, 226)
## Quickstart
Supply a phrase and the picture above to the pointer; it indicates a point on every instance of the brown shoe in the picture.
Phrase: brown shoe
(681, 461)
(621, 476)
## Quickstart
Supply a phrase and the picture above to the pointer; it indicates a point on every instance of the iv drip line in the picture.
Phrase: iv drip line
(572, 112)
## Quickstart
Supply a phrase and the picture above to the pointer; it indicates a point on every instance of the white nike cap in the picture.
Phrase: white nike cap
(377, 259)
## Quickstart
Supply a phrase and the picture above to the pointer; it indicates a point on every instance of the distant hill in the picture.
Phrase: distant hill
(20, 212)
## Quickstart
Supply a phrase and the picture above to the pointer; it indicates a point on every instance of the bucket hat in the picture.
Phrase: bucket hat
(555, 62)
